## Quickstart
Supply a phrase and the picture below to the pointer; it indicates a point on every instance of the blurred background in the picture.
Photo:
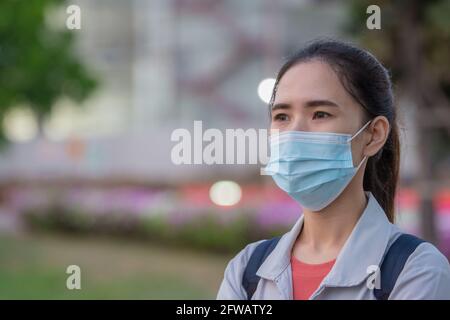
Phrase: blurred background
(86, 117)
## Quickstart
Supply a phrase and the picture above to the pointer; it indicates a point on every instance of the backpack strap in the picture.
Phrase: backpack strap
(250, 279)
(393, 263)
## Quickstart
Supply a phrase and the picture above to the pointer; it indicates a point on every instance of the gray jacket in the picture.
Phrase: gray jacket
(426, 274)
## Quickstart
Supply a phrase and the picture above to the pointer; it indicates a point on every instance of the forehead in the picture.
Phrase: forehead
(310, 80)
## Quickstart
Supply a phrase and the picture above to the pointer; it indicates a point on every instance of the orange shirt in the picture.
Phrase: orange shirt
(306, 278)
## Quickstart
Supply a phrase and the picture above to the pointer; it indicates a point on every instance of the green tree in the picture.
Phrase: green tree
(414, 41)
(38, 63)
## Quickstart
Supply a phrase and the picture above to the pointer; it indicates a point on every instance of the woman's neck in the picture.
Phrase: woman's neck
(325, 232)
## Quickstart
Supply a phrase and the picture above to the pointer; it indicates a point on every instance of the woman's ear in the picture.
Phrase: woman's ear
(378, 132)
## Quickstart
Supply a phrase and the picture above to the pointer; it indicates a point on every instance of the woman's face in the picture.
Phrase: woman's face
(310, 97)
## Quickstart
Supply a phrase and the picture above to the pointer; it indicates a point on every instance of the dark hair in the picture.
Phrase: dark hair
(368, 82)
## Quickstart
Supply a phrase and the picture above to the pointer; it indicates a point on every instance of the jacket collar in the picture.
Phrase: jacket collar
(364, 247)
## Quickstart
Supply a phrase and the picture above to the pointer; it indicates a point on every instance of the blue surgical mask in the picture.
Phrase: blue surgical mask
(312, 167)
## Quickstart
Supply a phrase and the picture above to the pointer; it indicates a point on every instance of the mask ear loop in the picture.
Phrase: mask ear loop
(359, 131)
(362, 161)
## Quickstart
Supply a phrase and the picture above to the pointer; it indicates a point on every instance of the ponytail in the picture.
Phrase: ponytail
(382, 172)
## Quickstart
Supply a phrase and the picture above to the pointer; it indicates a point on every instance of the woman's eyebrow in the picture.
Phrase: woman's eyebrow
(310, 103)
(277, 106)
(317, 103)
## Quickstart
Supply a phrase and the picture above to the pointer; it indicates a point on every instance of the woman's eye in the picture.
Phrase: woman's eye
(281, 117)
(321, 115)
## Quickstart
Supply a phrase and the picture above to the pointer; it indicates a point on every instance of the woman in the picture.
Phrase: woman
(337, 154)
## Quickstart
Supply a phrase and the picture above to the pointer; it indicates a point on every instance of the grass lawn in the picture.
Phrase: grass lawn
(34, 267)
